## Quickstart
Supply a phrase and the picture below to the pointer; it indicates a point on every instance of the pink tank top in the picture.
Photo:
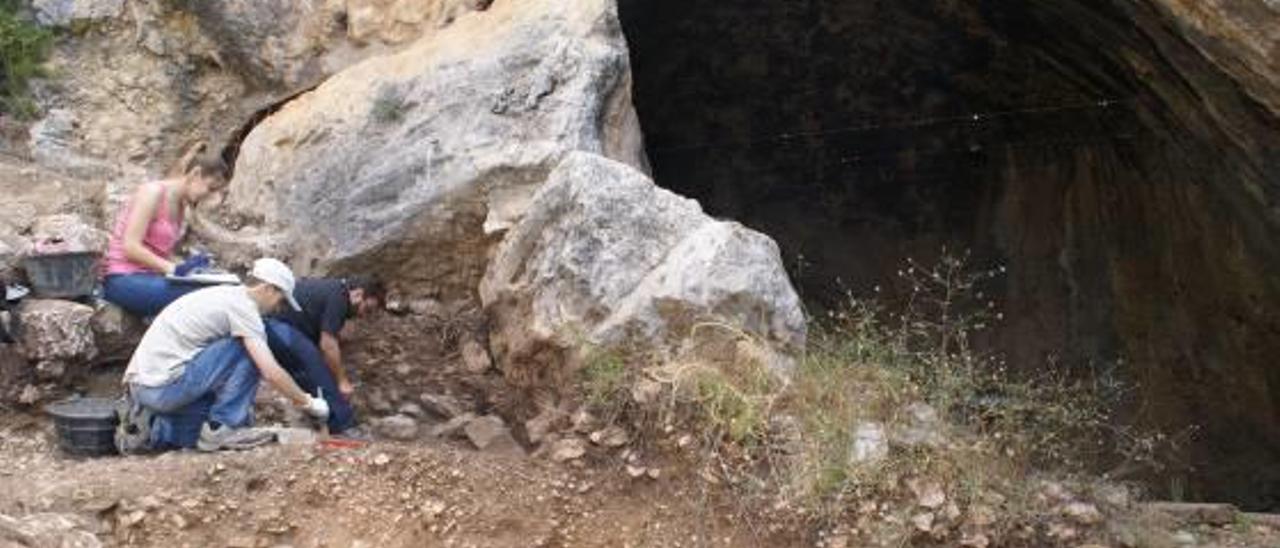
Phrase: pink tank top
(161, 237)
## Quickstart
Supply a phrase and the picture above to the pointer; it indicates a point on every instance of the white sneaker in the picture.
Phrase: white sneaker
(226, 438)
(133, 431)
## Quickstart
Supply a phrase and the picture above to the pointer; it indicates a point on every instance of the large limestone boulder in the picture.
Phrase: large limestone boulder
(605, 257)
(56, 335)
(412, 164)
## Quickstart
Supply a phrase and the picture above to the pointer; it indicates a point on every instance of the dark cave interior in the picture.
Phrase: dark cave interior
(1068, 141)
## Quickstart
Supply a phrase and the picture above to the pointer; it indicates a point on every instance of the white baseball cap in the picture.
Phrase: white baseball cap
(278, 274)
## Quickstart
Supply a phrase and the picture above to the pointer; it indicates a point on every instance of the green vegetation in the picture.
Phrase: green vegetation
(23, 47)
(604, 378)
(389, 106)
(937, 410)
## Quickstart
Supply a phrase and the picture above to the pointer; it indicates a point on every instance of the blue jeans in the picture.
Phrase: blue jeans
(143, 295)
(218, 385)
(304, 362)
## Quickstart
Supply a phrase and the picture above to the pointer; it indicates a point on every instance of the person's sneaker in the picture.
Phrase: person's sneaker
(355, 433)
(133, 431)
(225, 438)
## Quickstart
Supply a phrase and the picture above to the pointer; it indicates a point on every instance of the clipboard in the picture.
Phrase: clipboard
(206, 278)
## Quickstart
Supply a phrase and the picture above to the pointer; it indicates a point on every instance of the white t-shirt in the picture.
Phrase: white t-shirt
(187, 326)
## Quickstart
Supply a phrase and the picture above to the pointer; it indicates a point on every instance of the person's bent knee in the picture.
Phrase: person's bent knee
(281, 333)
(226, 349)
(142, 295)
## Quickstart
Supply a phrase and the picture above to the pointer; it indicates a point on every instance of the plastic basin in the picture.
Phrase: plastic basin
(62, 275)
(86, 426)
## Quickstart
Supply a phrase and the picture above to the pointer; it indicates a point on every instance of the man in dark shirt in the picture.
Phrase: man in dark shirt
(306, 342)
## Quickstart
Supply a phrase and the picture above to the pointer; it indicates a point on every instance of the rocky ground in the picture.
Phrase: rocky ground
(406, 494)
(386, 494)
(416, 484)
(445, 470)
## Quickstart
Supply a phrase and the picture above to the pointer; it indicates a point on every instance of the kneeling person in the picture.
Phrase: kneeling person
(197, 367)
(306, 341)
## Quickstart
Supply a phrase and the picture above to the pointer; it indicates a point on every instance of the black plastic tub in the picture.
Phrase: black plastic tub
(86, 426)
(62, 275)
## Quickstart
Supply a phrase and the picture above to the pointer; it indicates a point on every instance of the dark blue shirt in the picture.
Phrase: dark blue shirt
(325, 307)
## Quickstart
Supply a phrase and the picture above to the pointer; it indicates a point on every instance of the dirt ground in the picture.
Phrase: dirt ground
(386, 494)
(419, 493)
(427, 492)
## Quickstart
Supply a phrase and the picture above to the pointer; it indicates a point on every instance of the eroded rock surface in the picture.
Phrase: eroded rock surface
(56, 335)
(412, 164)
(604, 257)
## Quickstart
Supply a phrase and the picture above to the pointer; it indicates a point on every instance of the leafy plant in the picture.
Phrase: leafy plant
(23, 47)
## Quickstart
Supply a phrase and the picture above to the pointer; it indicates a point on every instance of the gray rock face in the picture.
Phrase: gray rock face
(273, 42)
(544, 424)
(48, 529)
(154, 75)
(453, 426)
(475, 358)
(443, 406)
(606, 257)
(31, 193)
(438, 147)
(75, 233)
(568, 449)
(287, 44)
(40, 204)
(396, 21)
(397, 427)
(12, 249)
(870, 444)
(411, 410)
(612, 437)
(65, 12)
(115, 332)
(490, 433)
(53, 146)
(56, 334)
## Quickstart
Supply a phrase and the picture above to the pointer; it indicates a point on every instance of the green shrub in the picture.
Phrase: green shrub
(389, 106)
(604, 378)
(23, 47)
(790, 441)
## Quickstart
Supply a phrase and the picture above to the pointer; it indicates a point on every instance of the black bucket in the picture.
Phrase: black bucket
(62, 275)
(86, 426)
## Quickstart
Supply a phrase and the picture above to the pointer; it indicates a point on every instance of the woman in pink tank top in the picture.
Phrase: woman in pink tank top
(146, 233)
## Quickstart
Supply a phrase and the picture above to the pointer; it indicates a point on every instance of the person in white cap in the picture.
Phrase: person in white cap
(193, 378)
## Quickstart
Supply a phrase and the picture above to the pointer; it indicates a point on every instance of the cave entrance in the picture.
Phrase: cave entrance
(1055, 138)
